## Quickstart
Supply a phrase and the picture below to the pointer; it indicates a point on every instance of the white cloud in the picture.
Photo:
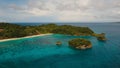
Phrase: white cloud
(64, 10)
(37, 12)
(71, 10)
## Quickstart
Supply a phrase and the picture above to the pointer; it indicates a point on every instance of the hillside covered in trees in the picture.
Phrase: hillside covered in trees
(8, 30)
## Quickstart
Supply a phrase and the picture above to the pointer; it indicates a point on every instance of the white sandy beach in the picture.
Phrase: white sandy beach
(24, 37)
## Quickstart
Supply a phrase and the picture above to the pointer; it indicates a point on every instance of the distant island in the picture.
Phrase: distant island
(117, 22)
(8, 31)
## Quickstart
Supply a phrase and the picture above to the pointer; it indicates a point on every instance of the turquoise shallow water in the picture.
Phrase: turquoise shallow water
(41, 52)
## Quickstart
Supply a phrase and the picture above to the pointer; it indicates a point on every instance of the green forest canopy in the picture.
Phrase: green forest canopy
(8, 30)
(79, 42)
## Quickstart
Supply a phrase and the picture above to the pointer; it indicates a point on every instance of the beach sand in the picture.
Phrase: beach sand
(3, 40)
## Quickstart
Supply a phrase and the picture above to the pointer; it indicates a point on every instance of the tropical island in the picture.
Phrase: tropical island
(8, 31)
(79, 43)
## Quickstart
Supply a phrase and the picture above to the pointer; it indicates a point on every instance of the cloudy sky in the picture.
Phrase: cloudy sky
(59, 10)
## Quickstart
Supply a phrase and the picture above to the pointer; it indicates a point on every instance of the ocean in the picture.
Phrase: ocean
(42, 52)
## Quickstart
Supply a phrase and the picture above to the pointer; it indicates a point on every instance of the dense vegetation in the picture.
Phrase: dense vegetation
(11, 30)
(80, 43)
(8, 30)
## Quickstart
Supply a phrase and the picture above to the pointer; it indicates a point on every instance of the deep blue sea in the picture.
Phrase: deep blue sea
(42, 52)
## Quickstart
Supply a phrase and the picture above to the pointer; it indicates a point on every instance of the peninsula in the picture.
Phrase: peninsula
(10, 31)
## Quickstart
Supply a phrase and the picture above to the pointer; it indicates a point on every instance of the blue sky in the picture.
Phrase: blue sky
(59, 10)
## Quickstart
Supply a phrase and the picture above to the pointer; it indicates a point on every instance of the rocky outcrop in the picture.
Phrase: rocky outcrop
(58, 43)
(84, 47)
(100, 37)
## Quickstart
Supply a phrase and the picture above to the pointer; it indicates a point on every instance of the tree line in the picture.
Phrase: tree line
(8, 30)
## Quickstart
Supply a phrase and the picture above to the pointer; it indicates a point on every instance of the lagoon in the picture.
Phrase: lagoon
(42, 52)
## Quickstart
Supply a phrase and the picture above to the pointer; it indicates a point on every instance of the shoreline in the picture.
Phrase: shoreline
(10, 39)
